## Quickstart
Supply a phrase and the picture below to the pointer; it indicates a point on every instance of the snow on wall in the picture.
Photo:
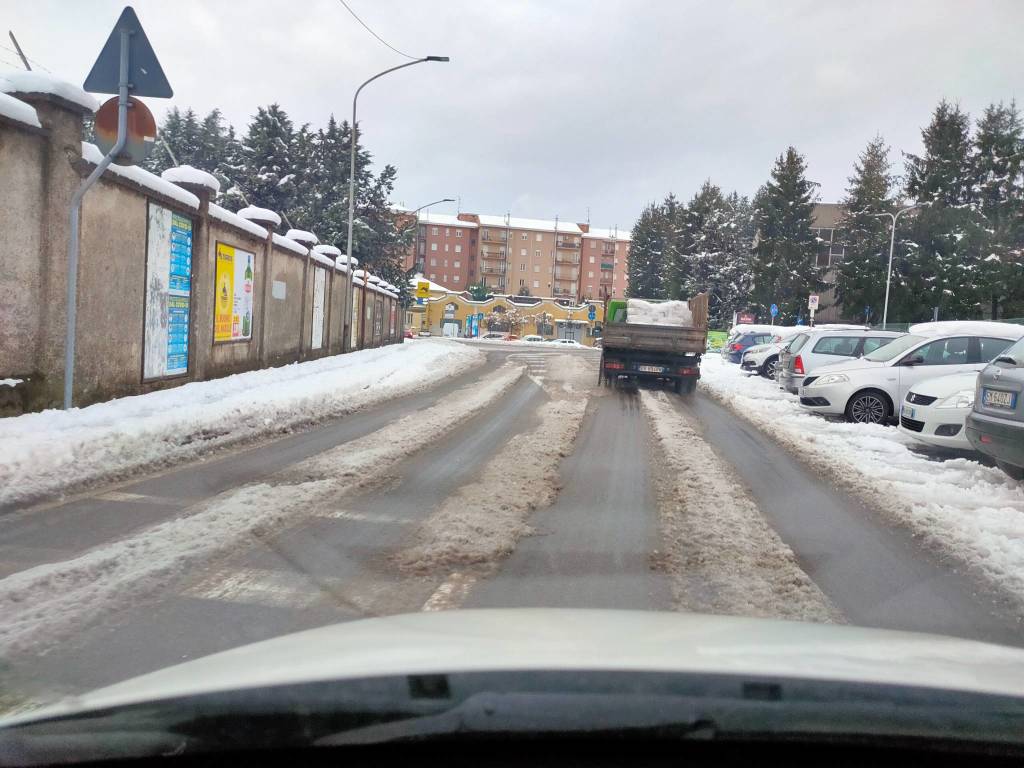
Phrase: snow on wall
(186, 174)
(260, 214)
(17, 81)
(302, 236)
(18, 110)
(327, 250)
(91, 153)
(321, 259)
(222, 214)
(290, 245)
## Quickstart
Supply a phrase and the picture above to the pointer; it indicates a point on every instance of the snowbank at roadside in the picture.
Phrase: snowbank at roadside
(53, 451)
(959, 506)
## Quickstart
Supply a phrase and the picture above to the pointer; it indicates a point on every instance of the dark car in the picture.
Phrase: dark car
(733, 351)
(995, 426)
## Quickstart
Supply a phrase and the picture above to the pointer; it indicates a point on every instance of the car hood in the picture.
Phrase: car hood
(944, 386)
(597, 640)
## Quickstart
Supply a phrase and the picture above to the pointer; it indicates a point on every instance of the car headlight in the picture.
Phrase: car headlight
(962, 399)
(829, 378)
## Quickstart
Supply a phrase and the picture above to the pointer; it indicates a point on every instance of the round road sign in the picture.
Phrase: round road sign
(141, 131)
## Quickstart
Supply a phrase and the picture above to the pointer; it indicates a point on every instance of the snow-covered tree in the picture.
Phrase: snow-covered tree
(645, 276)
(268, 173)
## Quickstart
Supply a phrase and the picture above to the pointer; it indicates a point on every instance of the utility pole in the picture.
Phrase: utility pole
(21, 54)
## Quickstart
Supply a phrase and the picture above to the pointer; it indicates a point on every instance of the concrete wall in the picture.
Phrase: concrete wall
(40, 169)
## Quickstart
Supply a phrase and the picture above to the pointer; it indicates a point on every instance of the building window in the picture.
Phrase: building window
(591, 259)
(455, 278)
(616, 247)
(525, 236)
(457, 264)
(433, 276)
(433, 262)
(458, 233)
(522, 283)
(458, 249)
(593, 244)
(446, 278)
(446, 247)
(540, 238)
(522, 251)
(590, 275)
(433, 246)
(536, 267)
(433, 230)
(536, 283)
(445, 263)
(447, 231)
(537, 253)
(522, 267)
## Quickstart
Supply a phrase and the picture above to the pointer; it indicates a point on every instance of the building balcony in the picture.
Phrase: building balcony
(567, 258)
(606, 279)
(494, 237)
(568, 242)
(492, 267)
(607, 265)
(495, 255)
(567, 273)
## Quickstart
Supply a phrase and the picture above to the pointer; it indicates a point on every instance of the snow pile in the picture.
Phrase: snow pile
(18, 110)
(973, 327)
(186, 174)
(959, 507)
(17, 81)
(302, 236)
(290, 245)
(321, 259)
(722, 555)
(223, 214)
(42, 604)
(254, 213)
(43, 453)
(92, 154)
(658, 313)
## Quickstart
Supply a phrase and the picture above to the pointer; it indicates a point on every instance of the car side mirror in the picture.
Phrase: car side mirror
(913, 360)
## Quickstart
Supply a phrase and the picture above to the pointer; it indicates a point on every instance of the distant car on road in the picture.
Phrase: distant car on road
(934, 410)
(995, 426)
(409, 334)
(423, 333)
(869, 390)
(493, 336)
(533, 337)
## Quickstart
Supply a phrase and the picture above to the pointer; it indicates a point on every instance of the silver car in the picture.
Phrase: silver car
(816, 348)
(995, 426)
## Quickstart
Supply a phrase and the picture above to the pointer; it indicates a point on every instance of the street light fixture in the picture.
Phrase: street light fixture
(892, 242)
(353, 148)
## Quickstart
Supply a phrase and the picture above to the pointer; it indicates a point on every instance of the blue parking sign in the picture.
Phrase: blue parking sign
(774, 310)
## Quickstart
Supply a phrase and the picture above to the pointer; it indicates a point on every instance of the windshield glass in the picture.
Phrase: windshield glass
(462, 314)
(894, 348)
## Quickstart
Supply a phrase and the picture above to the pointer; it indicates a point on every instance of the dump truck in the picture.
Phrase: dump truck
(662, 341)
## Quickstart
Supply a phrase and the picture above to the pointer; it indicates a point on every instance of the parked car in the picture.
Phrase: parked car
(823, 346)
(995, 425)
(423, 333)
(409, 334)
(763, 358)
(566, 343)
(494, 336)
(533, 337)
(934, 410)
(735, 347)
(866, 390)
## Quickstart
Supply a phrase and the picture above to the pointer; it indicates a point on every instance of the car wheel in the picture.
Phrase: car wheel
(768, 369)
(1017, 473)
(868, 407)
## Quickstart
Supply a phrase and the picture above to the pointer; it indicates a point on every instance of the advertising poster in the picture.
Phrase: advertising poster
(233, 282)
(354, 330)
(394, 317)
(319, 289)
(168, 293)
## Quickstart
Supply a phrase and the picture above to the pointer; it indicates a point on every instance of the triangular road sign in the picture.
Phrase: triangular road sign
(145, 76)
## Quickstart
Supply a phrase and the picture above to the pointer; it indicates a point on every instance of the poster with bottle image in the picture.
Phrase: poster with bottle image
(233, 282)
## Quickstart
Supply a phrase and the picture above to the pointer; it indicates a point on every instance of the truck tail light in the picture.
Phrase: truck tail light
(688, 371)
(798, 365)
(614, 365)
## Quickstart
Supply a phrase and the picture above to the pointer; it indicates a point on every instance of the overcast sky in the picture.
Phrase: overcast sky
(553, 108)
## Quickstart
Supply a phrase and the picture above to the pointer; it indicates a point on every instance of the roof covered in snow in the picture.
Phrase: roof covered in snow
(596, 233)
(302, 236)
(539, 225)
(254, 213)
(18, 110)
(969, 327)
(290, 244)
(186, 174)
(222, 214)
(445, 220)
(92, 154)
(17, 81)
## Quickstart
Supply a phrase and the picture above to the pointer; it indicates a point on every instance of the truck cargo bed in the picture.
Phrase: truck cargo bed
(654, 338)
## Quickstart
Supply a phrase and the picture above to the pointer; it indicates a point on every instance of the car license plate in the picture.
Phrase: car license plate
(908, 412)
(997, 399)
(650, 369)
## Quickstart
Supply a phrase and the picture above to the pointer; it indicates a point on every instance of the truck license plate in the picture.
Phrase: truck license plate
(650, 369)
(997, 399)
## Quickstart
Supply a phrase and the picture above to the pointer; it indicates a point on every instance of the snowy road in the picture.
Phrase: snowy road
(516, 482)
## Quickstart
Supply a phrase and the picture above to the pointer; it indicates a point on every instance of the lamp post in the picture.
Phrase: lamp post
(892, 243)
(416, 241)
(353, 148)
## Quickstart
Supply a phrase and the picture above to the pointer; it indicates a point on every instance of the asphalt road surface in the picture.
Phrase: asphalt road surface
(593, 547)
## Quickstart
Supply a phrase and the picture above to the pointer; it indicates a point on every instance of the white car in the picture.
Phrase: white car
(763, 358)
(868, 390)
(935, 410)
(819, 346)
(566, 343)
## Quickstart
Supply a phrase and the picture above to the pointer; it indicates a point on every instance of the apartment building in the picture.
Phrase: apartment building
(539, 257)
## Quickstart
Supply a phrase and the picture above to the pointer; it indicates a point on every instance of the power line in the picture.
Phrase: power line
(381, 39)
(11, 50)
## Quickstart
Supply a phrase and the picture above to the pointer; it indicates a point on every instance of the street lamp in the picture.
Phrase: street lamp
(416, 242)
(892, 242)
(352, 165)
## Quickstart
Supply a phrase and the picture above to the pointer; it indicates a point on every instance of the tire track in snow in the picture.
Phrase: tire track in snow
(720, 553)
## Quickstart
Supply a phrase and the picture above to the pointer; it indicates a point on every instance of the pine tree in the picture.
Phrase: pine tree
(860, 278)
(730, 279)
(784, 259)
(941, 268)
(999, 187)
(645, 276)
(703, 239)
(268, 174)
(169, 134)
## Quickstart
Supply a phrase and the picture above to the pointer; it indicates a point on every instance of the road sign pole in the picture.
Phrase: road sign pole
(76, 210)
